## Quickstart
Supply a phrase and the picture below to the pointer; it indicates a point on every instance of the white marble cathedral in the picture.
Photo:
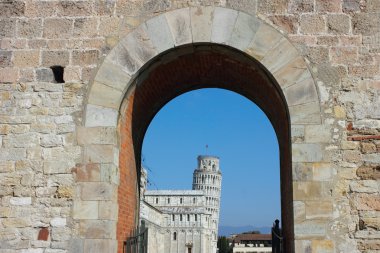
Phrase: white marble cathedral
(184, 221)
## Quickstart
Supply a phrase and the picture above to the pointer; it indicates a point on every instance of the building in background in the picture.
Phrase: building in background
(184, 220)
(252, 243)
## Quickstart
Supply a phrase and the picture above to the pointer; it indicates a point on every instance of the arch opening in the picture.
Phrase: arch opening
(189, 68)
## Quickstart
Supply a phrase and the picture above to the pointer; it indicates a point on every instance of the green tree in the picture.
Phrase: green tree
(223, 245)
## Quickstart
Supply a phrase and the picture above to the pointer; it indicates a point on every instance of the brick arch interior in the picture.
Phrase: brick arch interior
(188, 68)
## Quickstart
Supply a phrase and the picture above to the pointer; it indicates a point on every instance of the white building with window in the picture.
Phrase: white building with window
(184, 221)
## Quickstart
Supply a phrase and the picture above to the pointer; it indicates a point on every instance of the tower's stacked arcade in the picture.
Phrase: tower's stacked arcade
(208, 177)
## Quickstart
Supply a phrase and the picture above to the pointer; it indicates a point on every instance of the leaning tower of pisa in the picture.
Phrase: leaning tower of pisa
(208, 177)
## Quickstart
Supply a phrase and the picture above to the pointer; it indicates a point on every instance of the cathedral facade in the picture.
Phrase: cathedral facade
(184, 221)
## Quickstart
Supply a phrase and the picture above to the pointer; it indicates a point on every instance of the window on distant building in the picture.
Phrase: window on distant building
(180, 217)
(193, 200)
(180, 200)
(188, 217)
(196, 217)
(175, 236)
(168, 200)
(156, 200)
(173, 217)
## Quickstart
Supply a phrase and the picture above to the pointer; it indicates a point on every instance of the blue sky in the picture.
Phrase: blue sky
(237, 131)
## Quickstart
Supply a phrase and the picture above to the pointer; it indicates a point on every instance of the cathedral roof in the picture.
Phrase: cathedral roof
(174, 192)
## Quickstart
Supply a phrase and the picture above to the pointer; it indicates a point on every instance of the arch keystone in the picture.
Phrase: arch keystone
(201, 23)
(223, 25)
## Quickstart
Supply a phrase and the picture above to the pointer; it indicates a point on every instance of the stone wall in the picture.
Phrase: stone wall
(44, 165)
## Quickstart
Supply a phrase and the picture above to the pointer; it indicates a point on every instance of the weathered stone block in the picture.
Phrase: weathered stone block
(5, 58)
(8, 75)
(86, 57)
(105, 96)
(98, 229)
(365, 186)
(100, 245)
(286, 23)
(85, 27)
(323, 246)
(76, 245)
(319, 209)
(53, 58)
(299, 211)
(318, 133)
(13, 8)
(180, 26)
(29, 28)
(368, 148)
(87, 172)
(307, 190)
(7, 166)
(74, 8)
(344, 55)
(307, 152)
(305, 113)
(45, 75)
(108, 210)
(365, 23)
(109, 26)
(271, 6)
(20, 222)
(97, 191)
(57, 167)
(96, 135)
(297, 6)
(328, 5)
(20, 201)
(364, 201)
(223, 24)
(99, 153)
(201, 23)
(57, 28)
(265, 38)
(85, 209)
(372, 173)
(133, 51)
(301, 93)
(338, 24)
(12, 154)
(312, 24)
(60, 233)
(159, 33)
(245, 29)
(51, 140)
(98, 116)
(7, 28)
(283, 53)
(113, 76)
(109, 173)
(310, 229)
(371, 158)
(58, 222)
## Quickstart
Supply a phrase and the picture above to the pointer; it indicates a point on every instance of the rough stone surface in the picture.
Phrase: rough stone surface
(59, 153)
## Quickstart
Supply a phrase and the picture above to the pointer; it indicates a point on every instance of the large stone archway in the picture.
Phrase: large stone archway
(217, 47)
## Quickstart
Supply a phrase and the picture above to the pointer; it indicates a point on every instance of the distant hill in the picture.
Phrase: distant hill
(228, 230)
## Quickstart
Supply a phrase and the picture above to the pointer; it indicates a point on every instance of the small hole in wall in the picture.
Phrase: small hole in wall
(58, 73)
